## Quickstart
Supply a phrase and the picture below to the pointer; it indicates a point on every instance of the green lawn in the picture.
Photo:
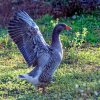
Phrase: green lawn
(78, 80)
(78, 76)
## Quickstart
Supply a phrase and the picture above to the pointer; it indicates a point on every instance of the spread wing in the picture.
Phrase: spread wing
(26, 34)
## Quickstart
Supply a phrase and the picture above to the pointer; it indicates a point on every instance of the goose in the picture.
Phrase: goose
(37, 53)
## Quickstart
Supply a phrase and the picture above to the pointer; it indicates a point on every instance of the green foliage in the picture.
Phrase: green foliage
(5, 40)
(79, 38)
(2, 32)
(84, 29)
(75, 42)
(78, 77)
(73, 81)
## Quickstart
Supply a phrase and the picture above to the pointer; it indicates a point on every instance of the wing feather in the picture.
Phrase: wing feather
(26, 34)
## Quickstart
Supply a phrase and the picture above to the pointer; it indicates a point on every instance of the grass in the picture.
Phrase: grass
(73, 81)
(78, 76)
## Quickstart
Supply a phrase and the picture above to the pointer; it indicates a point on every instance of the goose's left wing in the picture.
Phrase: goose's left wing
(27, 36)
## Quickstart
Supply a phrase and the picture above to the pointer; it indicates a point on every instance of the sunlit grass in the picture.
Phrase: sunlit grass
(72, 80)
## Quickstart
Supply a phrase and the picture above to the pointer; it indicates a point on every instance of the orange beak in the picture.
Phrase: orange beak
(68, 28)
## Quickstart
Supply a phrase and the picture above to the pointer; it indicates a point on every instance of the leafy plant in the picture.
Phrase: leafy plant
(79, 38)
(76, 43)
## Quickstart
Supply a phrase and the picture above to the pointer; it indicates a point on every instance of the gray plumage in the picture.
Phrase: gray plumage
(28, 38)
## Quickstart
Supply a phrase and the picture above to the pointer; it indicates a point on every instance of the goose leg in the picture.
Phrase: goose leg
(39, 88)
(43, 90)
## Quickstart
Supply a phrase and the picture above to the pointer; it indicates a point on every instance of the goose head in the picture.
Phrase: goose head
(60, 27)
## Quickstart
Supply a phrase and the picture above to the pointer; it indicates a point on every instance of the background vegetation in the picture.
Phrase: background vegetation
(38, 8)
(78, 76)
